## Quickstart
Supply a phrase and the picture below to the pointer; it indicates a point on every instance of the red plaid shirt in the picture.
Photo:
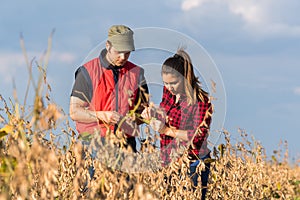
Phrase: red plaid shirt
(186, 117)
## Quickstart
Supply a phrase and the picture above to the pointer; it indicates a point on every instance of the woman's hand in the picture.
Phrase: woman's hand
(157, 125)
(170, 132)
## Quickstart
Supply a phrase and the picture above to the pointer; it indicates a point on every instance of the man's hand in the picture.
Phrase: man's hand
(108, 117)
(146, 114)
(129, 126)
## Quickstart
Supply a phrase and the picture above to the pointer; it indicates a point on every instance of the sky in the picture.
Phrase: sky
(253, 44)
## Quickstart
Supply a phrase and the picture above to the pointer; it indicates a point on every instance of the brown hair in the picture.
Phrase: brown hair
(181, 65)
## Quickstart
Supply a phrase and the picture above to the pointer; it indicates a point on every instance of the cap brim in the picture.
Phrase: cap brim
(123, 47)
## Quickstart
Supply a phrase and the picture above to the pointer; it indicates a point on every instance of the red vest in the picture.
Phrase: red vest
(108, 95)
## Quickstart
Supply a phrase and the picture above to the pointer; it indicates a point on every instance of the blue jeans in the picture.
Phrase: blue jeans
(204, 174)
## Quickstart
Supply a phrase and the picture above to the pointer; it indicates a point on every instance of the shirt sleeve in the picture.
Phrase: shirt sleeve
(165, 105)
(201, 123)
(143, 92)
(82, 87)
(142, 95)
(144, 88)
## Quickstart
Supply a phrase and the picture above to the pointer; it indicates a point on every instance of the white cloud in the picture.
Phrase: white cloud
(297, 90)
(13, 63)
(9, 63)
(262, 18)
(190, 4)
(63, 57)
(252, 12)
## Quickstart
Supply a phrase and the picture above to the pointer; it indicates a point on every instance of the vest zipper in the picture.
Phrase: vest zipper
(116, 78)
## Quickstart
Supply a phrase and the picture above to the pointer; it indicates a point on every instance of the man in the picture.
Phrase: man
(109, 87)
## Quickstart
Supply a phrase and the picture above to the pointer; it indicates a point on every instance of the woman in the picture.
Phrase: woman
(187, 114)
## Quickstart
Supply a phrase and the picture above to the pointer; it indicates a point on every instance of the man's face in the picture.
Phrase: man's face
(116, 58)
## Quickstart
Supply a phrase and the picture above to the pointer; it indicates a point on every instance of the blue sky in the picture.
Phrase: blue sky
(255, 45)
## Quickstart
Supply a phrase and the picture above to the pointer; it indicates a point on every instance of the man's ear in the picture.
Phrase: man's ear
(107, 45)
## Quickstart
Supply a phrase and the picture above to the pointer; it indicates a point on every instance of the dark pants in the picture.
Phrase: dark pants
(130, 142)
(204, 175)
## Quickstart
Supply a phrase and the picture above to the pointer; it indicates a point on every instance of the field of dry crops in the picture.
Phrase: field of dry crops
(34, 168)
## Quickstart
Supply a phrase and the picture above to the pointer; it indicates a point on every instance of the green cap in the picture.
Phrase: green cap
(121, 38)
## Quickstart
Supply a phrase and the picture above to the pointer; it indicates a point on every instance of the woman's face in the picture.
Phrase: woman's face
(173, 83)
